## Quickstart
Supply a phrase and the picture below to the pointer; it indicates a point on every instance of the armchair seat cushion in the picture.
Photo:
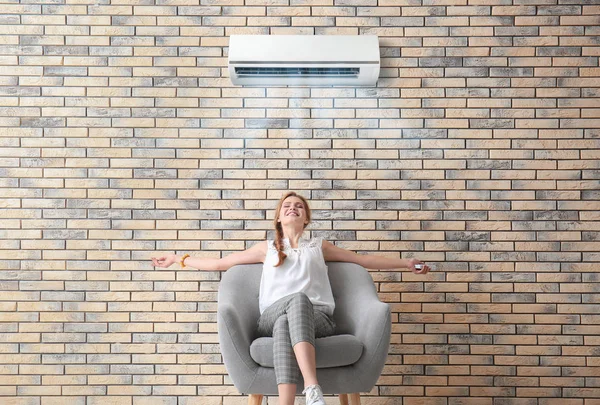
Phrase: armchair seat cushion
(332, 351)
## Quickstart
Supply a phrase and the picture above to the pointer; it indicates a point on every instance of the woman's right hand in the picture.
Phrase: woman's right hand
(164, 261)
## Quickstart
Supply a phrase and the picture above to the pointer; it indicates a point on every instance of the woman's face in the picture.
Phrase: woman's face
(293, 211)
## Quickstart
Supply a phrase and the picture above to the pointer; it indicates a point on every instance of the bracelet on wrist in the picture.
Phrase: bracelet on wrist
(182, 261)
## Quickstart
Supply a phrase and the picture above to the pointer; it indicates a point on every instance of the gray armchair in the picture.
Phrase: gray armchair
(349, 362)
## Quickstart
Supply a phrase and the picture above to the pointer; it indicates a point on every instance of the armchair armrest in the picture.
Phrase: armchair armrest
(370, 321)
(237, 314)
(360, 313)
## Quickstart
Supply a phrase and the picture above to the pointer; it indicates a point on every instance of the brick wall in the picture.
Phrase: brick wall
(121, 138)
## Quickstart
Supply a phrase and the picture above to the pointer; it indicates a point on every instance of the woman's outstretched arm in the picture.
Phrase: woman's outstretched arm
(255, 254)
(334, 253)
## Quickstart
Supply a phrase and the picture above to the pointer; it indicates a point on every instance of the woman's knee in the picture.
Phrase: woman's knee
(281, 324)
(301, 298)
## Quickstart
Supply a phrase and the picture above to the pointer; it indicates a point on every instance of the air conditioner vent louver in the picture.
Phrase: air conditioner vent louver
(304, 60)
(296, 72)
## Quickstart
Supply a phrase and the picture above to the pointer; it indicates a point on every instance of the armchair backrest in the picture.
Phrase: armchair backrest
(240, 285)
(350, 284)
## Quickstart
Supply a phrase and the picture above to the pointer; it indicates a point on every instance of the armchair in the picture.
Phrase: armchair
(349, 362)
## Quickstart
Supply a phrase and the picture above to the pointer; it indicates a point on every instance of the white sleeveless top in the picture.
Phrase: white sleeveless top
(303, 270)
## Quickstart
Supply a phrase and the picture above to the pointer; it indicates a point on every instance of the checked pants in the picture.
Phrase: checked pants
(290, 320)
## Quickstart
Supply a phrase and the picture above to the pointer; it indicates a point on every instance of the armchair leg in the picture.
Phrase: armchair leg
(255, 399)
(354, 399)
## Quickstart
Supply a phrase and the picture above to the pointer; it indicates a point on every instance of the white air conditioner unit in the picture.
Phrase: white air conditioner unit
(304, 60)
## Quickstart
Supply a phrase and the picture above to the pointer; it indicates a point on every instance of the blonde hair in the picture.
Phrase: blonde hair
(279, 229)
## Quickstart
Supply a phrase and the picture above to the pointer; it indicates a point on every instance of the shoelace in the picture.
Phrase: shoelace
(312, 394)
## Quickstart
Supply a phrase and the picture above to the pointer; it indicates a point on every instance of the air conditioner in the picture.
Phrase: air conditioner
(304, 60)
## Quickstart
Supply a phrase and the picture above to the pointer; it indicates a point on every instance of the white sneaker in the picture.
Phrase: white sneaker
(314, 395)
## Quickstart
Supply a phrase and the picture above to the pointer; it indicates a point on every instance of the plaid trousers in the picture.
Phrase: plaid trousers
(290, 320)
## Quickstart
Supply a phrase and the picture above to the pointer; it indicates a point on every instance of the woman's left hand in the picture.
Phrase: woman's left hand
(412, 265)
